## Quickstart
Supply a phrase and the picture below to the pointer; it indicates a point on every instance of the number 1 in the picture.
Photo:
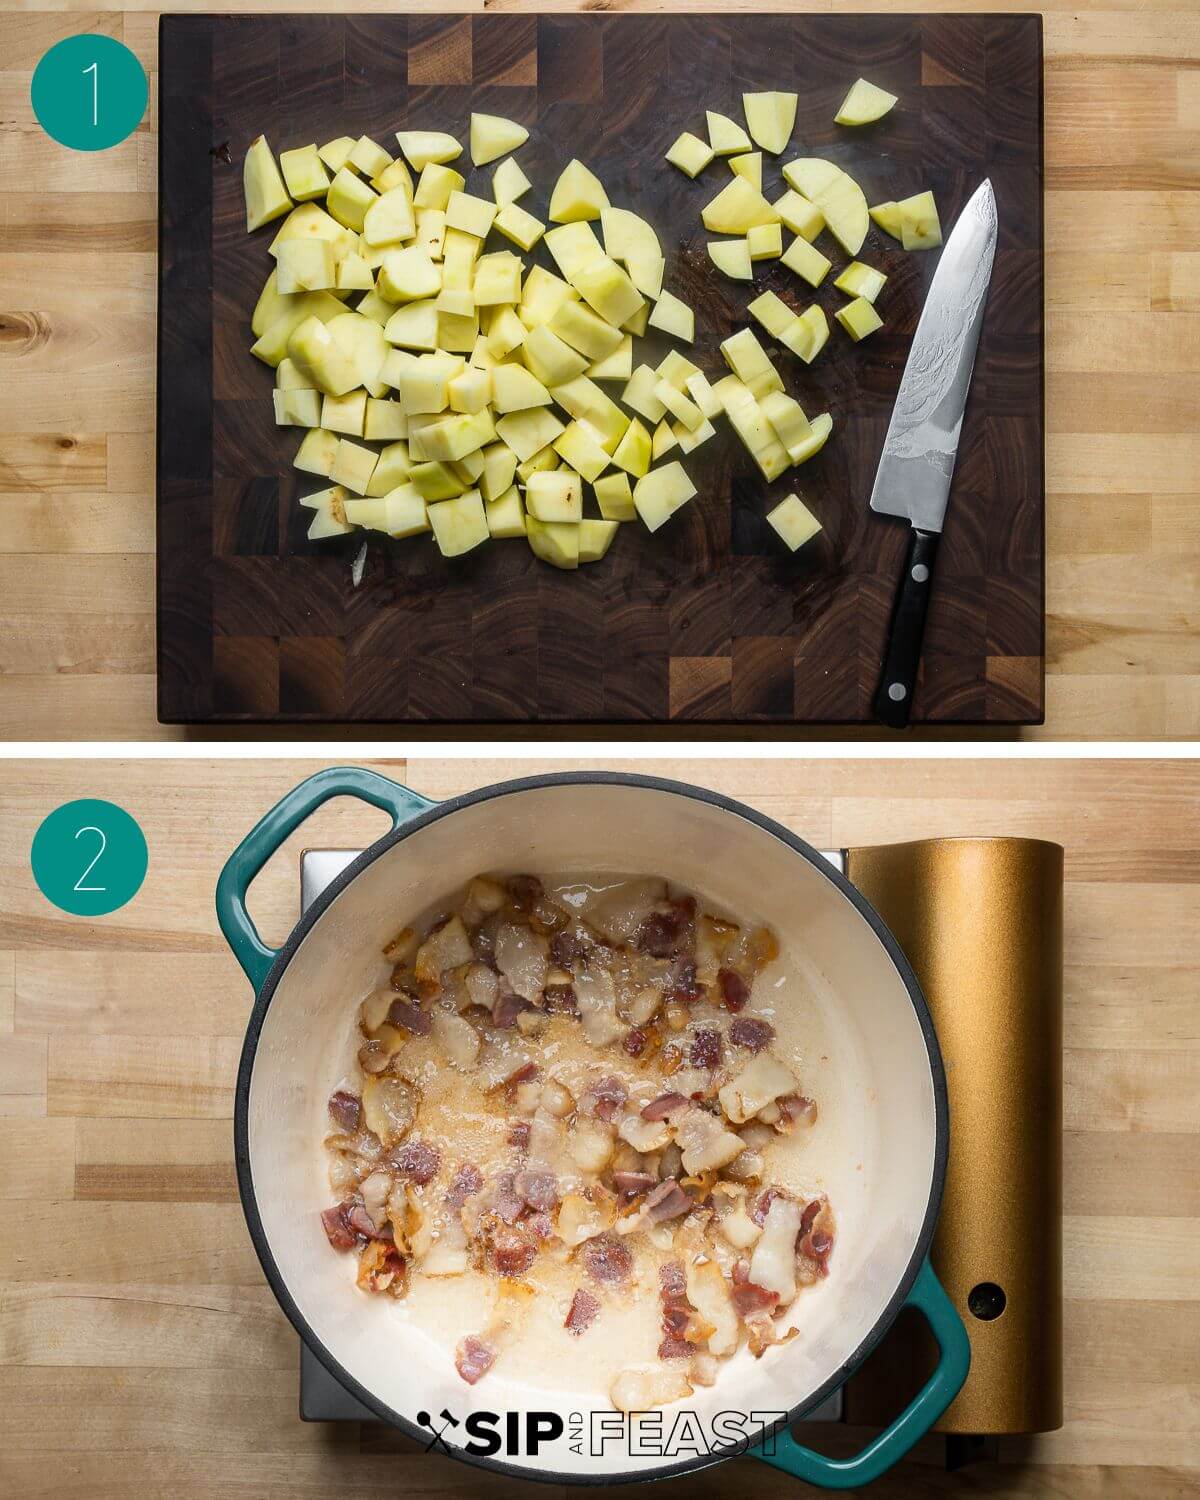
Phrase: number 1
(94, 70)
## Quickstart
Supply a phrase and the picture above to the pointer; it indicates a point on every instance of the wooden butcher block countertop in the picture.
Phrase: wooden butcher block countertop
(141, 1352)
(1122, 174)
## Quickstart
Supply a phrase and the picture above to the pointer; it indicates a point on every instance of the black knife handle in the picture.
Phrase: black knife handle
(893, 698)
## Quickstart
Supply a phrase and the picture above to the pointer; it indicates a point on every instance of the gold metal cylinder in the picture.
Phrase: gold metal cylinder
(981, 923)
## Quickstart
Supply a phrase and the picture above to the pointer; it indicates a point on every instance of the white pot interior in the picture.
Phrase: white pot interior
(876, 1140)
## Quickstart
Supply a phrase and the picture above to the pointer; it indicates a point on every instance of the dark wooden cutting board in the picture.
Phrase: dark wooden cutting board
(709, 619)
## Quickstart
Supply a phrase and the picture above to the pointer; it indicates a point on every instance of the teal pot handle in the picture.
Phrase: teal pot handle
(274, 827)
(914, 1421)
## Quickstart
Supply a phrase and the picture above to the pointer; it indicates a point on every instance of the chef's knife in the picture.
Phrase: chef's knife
(917, 464)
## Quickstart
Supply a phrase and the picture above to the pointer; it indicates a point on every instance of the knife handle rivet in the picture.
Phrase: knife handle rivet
(920, 573)
(897, 692)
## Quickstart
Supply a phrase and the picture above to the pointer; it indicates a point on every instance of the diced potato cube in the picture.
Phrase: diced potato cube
(375, 307)
(458, 525)
(859, 318)
(770, 118)
(497, 279)
(509, 183)
(297, 408)
(409, 275)
(725, 136)
(414, 326)
(544, 458)
(518, 226)
(470, 391)
(304, 173)
(765, 241)
(506, 515)
(431, 230)
(470, 214)
(435, 481)
(392, 470)
(578, 194)
(435, 185)
(405, 512)
(394, 175)
(595, 538)
(572, 246)
(555, 495)
(732, 257)
(702, 393)
(542, 295)
(737, 208)
(304, 266)
(514, 388)
(748, 360)
(786, 416)
(919, 226)
(662, 440)
(749, 166)
(421, 147)
(344, 413)
(807, 335)
(554, 542)
(794, 522)
(822, 426)
(633, 454)
(527, 432)
(493, 136)
(499, 466)
(551, 360)
(317, 452)
(349, 198)
(384, 421)
(607, 288)
(685, 410)
(325, 362)
(354, 275)
(639, 394)
(659, 494)
(505, 332)
(688, 440)
(858, 280)
(266, 196)
(578, 446)
(390, 218)
(836, 194)
(690, 154)
(369, 513)
(585, 400)
(469, 469)
(672, 316)
(806, 260)
(584, 330)
(353, 466)
(453, 437)
(677, 368)
(614, 496)
(367, 157)
(887, 216)
(329, 514)
(615, 366)
(864, 104)
(336, 153)
(422, 386)
(799, 215)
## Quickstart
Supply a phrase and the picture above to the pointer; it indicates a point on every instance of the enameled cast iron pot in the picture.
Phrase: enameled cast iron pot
(584, 822)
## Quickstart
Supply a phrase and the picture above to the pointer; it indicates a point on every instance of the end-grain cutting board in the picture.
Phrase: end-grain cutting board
(709, 619)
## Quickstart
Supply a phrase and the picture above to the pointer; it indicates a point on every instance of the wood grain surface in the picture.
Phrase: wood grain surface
(1122, 141)
(710, 619)
(141, 1352)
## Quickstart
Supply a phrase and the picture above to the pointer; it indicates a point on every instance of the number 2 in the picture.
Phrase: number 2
(79, 885)
(94, 70)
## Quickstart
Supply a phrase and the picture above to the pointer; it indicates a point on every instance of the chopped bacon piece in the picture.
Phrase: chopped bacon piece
(677, 1312)
(518, 1134)
(734, 989)
(706, 1048)
(671, 1279)
(337, 1228)
(418, 1160)
(506, 1201)
(507, 1006)
(798, 1109)
(512, 1253)
(809, 1217)
(566, 947)
(538, 1187)
(749, 1298)
(667, 1201)
(675, 1348)
(345, 1109)
(362, 1223)
(605, 1258)
(605, 1098)
(465, 1183)
(681, 982)
(759, 1212)
(817, 1230)
(540, 1224)
(582, 1313)
(411, 1017)
(473, 1358)
(524, 890)
(669, 930)
(633, 1184)
(559, 999)
(635, 1041)
(664, 1105)
(381, 1268)
(752, 1032)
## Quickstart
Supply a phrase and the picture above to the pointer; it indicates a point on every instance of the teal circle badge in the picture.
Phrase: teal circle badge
(89, 858)
(89, 92)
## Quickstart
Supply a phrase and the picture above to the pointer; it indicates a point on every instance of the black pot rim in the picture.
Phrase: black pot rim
(569, 779)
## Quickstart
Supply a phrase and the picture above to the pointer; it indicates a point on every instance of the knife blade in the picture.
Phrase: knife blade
(916, 466)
